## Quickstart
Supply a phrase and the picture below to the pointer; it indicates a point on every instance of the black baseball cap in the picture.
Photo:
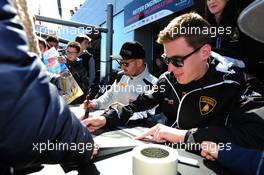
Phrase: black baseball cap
(130, 50)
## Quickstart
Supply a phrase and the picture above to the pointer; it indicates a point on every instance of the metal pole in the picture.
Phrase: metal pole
(70, 23)
(61, 40)
(109, 39)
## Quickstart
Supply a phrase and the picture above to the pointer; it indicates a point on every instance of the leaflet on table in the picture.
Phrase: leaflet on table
(67, 86)
(121, 138)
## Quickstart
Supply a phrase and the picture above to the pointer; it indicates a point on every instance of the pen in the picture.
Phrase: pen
(86, 114)
(188, 161)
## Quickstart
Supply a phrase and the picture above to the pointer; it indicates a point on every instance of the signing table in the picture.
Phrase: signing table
(115, 156)
(122, 165)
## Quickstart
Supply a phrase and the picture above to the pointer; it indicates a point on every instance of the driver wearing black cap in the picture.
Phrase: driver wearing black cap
(134, 80)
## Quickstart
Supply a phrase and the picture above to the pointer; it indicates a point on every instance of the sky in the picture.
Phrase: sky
(49, 8)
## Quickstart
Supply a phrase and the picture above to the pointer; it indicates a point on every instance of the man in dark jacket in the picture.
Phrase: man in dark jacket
(36, 126)
(87, 58)
(202, 99)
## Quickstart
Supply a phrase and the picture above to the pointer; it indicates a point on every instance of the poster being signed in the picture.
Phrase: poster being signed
(67, 86)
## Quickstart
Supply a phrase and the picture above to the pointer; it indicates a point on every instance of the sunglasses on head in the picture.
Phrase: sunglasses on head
(178, 61)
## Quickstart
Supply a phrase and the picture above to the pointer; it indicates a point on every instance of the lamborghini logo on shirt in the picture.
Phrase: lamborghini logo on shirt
(206, 104)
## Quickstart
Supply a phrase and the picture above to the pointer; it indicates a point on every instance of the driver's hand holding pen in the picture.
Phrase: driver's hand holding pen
(88, 104)
(93, 123)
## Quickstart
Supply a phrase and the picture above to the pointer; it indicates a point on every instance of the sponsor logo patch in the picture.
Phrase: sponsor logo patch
(123, 85)
(183, 93)
(206, 104)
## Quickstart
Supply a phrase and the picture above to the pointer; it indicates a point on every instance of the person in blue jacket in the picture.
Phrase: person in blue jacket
(238, 159)
(34, 120)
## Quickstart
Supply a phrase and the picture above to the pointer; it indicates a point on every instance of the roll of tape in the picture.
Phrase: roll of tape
(154, 159)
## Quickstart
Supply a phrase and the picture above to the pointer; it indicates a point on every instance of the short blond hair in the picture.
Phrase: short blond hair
(188, 21)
